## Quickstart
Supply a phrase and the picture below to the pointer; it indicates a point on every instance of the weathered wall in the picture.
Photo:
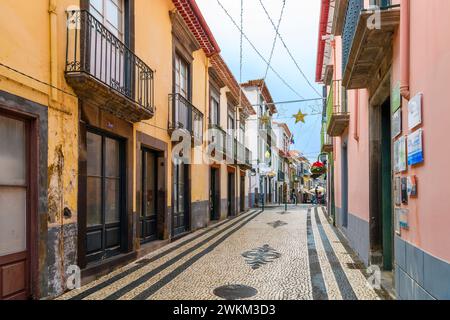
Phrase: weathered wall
(25, 45)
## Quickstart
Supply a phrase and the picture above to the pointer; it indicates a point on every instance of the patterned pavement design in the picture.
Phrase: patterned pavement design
(295, 256)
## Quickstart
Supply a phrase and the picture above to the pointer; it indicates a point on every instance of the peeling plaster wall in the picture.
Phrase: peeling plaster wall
(26, 27)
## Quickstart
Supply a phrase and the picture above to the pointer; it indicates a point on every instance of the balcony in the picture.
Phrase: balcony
(218, 137)
(281, 176)
(367, 40)
(183, 115)
(248, 158)
(338, 118)
(267, 134)
(326, 140)
(239, 153)
(104, 71)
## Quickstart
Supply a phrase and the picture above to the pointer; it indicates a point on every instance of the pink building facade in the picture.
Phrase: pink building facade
(385, 65)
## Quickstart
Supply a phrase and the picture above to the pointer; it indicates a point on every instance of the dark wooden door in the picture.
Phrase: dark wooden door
(14, 209)
(231, 195)
(105, 196)
(180, 201)
(214, 194)
(242, 189)
(149, 218)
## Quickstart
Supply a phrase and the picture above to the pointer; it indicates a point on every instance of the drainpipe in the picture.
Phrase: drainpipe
(405, 48)
(53, 49)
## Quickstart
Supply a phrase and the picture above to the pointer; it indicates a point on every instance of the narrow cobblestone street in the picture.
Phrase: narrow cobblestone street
(282, 255)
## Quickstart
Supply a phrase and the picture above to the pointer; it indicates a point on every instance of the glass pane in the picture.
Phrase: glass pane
(13, 220)
(112, 158)
(180, 198)
(175, 197)
(94, 201)
(12, 152)
(112, 201)
(94, 154)
(97, 4)
(150, 185)
(113, 14)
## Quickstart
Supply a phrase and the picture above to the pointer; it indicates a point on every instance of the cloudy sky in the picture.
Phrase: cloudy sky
(299, 29)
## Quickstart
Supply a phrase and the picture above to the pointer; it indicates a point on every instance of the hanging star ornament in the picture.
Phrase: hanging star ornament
(265, 119)
(299, 117)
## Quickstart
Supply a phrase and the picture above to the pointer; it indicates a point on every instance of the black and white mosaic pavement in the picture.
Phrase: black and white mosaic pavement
(302, 257)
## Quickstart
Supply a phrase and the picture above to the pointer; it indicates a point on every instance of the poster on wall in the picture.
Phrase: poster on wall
(400, 155)
(401, 220)
(404, 192)
(397, 228)
(415, 111)
(398, 191)
(412, 186)
(396, 123)
(415, 148)
(396, 99)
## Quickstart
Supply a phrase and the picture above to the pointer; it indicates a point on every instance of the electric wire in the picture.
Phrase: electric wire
(287, 49)
(256, 50)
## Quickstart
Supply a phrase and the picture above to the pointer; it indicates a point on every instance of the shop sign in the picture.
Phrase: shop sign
(400, 155)
(397, 123)
(415, 148)
(404, 191)
(412, 186)
(401, 220)
(415, 111)
(398, 191)
(396, 99)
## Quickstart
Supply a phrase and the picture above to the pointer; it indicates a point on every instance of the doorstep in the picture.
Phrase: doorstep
(150, 247)
(98, 269)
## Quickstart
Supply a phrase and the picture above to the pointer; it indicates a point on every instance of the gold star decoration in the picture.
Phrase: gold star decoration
(299, 117)
(265, 119)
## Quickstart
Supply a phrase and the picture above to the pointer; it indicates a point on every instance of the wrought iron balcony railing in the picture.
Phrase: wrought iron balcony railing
(351, 21)
(101, 68)
(239, 152)
(248, 157)
(281, 176)
(183, 115)
(326, 140)
(337, 116)
(363, 28)
(218, 137)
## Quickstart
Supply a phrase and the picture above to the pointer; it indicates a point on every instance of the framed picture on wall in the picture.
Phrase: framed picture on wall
(396, 123)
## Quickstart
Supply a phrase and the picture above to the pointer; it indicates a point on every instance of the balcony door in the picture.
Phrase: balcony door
(105, 196)
(181, 86)
(182, 118)
(108, 58)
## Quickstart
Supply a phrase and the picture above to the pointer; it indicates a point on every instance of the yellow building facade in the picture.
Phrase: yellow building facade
(92, 93)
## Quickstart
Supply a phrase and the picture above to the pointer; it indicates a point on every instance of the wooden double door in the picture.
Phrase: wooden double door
(105, 230)
(16, 207)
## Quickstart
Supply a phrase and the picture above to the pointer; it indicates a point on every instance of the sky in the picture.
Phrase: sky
(299, 29)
